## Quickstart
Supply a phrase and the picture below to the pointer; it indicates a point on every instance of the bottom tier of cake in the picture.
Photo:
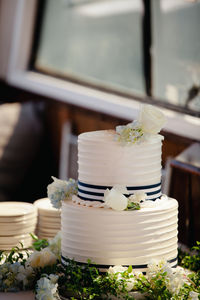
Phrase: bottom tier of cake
(108, 237)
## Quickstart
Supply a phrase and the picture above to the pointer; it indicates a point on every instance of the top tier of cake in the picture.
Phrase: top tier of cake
(104, 162)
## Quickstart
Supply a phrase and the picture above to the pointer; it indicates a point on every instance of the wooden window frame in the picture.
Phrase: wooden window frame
(16, 73)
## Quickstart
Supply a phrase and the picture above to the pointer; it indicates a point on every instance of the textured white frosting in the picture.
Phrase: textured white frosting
(109, 237)
(104, 161)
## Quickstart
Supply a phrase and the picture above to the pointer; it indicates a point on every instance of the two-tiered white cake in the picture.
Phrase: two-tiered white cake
(91, 230)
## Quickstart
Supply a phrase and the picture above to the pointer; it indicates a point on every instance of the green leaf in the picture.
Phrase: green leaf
(133, 206)
(130, 269)
(34, 237)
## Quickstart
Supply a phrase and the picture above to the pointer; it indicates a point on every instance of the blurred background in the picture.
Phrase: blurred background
(70, 66)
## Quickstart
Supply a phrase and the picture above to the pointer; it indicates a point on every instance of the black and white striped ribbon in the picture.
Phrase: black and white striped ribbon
(103, 268)
(90, 192)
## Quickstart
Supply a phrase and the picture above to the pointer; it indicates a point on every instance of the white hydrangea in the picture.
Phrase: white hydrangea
(60, 190)
(175, 277)
(193, 296)
(55, 245)
(117, 269)
(14, 268)
(46, 289)
(151, 119)
(130, 278)
(12, 275)
(24, 274)
(175, 280)
(154, 267)
(53, 278)
(130, 282)
(137, 197)
(115, 199)
(129, 134)
(42, 258)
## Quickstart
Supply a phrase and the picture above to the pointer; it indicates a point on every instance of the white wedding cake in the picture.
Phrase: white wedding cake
(119, 216)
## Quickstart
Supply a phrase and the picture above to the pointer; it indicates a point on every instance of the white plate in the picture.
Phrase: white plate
(55, 219)
(19, 231)
(49, 224)
(14, 239)
(16, 226)
(17, 220)
(48, 230)
(26, 244)
(46, 236)
(16, 209)
(45, 207)
(48, 213)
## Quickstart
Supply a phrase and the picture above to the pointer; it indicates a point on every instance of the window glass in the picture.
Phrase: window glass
(99, 42)
(176, 52)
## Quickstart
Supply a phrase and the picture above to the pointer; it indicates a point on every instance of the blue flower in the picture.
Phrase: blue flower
(61, 190)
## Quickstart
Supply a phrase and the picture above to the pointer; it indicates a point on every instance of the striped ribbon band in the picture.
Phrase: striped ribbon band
(90, 192)
(104, 268)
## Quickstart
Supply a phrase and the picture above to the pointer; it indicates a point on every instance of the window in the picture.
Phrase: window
(96, 42)
(24, 64)
(126, 46)
(176, 53)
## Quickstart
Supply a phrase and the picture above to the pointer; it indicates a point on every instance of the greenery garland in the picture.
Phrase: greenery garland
(85, 282)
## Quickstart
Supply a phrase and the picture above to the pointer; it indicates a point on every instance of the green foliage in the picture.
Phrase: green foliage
(191, 262)
(133, 206)
(39, 244)
(16, 254)
(155, 287)
(85, 282)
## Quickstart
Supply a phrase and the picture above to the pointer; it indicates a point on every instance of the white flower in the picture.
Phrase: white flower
(24, 274)
(129, 134)
(130, 283)
(42, 258)
(137, 197)
(115, 199)
(151, 119)
(46, 289)
(15, 267)
(53, 278)
(154, 267)
(175, 277)
(117, 269)
(55, 245)
(193, 296)
(59, 190)
(129, 279)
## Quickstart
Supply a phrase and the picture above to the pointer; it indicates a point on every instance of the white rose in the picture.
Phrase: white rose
(42, 258)
(151, 119)
(115, 199)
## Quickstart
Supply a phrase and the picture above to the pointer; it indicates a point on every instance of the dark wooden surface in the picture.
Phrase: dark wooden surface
(185, 187)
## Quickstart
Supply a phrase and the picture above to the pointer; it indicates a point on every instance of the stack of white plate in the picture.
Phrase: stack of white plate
(48, 219)
(17, 221)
